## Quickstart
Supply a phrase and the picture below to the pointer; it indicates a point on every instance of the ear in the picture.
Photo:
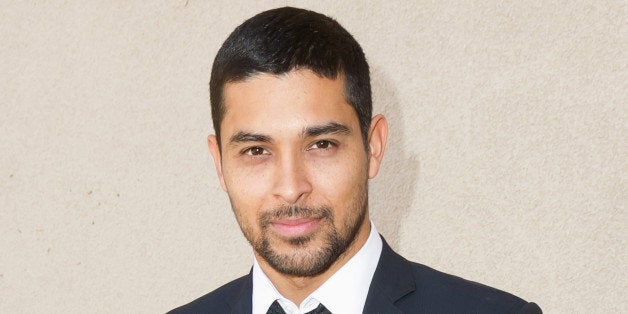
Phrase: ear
(378, 134)
(214, 149)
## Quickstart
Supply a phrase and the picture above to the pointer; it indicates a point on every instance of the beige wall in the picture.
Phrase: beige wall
(506, 163)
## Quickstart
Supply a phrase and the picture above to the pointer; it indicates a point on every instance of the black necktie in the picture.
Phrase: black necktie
(275, 308)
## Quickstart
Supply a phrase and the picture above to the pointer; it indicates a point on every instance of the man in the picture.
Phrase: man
(295, 146)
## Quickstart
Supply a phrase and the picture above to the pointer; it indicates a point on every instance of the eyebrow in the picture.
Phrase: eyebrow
(243, 137)
(312, 131)
(329, 128)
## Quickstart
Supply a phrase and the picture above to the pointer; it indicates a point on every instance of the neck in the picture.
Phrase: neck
(296, 288)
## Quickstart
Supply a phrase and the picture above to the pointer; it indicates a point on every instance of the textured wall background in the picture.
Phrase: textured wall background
(506, 163)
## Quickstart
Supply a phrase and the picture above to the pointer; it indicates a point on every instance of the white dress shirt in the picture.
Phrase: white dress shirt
(344, 292)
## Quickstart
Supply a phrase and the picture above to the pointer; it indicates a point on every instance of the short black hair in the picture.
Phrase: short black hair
(280, 40)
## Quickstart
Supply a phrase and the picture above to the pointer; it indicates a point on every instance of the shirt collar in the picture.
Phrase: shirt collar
(350, 282)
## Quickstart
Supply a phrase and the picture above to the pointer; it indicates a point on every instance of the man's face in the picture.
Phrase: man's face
(295, 168)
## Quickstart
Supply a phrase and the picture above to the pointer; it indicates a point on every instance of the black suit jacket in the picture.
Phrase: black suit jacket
(398, 286)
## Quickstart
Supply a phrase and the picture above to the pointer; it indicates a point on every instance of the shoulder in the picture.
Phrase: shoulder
(450, 292)
(220, 300)
(421, 289)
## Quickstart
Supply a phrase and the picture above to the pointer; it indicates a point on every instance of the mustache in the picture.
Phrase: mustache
(295, 211)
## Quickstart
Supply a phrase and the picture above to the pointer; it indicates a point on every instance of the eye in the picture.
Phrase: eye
(255, 151)
(322, 144)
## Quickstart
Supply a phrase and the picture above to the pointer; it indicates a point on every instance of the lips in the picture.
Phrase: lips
(295, 227)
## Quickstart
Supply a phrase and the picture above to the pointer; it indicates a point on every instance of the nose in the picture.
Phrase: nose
(292, 181)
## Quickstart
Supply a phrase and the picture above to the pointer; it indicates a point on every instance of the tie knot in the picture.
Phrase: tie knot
(275, 308)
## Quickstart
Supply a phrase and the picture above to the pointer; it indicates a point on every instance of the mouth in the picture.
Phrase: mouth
(295, 227)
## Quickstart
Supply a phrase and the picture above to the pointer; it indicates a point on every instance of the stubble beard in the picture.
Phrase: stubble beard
(304, 258)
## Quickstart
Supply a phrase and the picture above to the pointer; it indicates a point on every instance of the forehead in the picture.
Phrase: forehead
(267, 102)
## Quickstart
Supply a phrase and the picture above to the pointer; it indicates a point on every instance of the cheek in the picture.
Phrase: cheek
(337, 181)
(247, 190)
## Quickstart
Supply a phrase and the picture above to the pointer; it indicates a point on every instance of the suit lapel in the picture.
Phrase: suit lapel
(392, 280)
(242, 298)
